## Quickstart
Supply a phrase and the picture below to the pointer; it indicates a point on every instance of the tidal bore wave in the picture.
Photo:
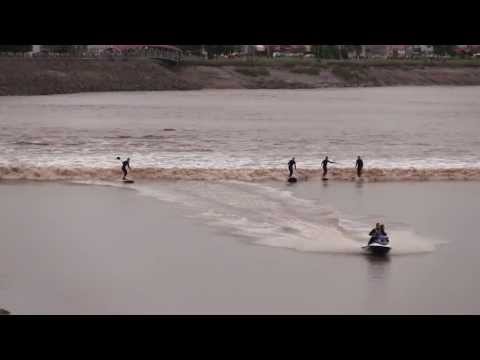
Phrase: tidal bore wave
(51, 173)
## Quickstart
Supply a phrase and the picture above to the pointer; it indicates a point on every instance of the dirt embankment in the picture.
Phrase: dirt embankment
(56, 76)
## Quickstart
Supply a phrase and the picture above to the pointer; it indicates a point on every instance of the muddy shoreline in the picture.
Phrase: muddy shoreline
(64, 76)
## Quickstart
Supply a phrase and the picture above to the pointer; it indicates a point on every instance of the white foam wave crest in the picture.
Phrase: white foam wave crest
(51, 173)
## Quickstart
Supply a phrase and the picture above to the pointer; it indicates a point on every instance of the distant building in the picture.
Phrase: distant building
(96, 49)
(467, 50)
(289, 50)
(421, 50)
(257, 50)
(272, 50)
(363, 51)
(376, 51)
(246, 49)
(353, 51)
(397, 51)
(427, 49)
(474, 49)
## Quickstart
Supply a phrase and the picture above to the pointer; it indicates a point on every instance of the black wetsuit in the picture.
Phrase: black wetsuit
(359, 166)
(373, 235)
(125, 164)
(324, 166)
(291, 164)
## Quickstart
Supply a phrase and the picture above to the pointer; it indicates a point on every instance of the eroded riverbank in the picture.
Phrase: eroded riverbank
(43, 76)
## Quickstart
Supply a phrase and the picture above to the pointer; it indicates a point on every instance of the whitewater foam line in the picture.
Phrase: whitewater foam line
(239, 174)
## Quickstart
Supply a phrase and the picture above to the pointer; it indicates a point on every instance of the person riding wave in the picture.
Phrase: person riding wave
(291, 164)
(359, 166)
(125, 164)
(325, 163)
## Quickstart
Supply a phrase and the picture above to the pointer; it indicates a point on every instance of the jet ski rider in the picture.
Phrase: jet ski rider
(378, 231)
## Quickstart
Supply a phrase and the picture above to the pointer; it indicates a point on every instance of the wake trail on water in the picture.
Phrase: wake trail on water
(272, 216)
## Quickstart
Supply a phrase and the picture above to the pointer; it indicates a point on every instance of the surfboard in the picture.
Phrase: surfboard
(292, 180)
(128, 181)
(324, 179)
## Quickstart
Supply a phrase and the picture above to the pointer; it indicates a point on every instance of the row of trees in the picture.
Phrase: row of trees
(16, 48)
(52, 48)
(341, 51)
(335, 51)
(65, 49)
(443, 50)
(210, 50)
(320, 51)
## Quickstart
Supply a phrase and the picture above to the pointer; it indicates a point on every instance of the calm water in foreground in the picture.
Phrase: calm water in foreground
(106, 250)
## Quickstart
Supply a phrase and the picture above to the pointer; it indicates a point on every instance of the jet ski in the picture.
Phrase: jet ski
(378, 246)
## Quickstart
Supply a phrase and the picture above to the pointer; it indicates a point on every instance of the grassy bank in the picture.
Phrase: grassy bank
(292, 61)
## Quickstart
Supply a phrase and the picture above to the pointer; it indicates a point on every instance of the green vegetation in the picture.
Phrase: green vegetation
(454, 62)
(335, 51)
(65, 49)
(444, 50)
(328, 52)
(15, 48)
(252, 61)
(257, 71)
(295, 62)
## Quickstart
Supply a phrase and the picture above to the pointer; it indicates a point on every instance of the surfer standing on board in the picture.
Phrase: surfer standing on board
(291, 164)
(125, 164)
(325, 163)
(359, 166)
